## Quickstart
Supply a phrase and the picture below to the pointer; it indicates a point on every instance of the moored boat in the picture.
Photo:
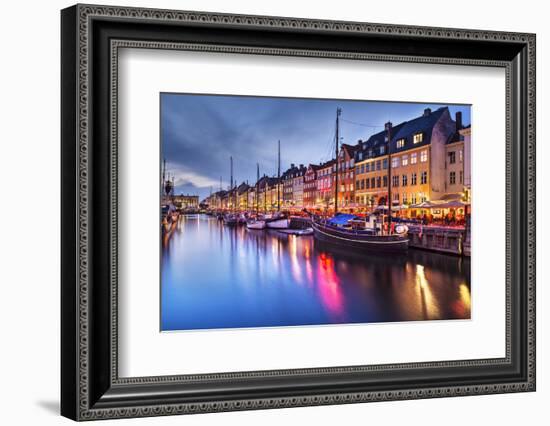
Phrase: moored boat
(337, 231)
(255, 224)
(230, 220)
(282, 223)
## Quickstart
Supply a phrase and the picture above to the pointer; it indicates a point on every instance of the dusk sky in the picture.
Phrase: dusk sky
(200, 132)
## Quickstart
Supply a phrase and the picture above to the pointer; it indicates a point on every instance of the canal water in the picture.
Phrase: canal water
(214, 276)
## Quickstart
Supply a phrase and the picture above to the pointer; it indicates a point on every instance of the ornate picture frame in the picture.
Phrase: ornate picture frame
(91, 37)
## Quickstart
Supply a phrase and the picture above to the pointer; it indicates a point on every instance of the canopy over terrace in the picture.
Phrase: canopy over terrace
(439, 204)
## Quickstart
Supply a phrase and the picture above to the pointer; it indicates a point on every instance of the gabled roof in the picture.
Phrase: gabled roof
(313, 167)
(375, 142)
(423, 124)
(405, 130)
(326, 164)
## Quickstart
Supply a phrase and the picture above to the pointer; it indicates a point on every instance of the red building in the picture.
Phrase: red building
(325, 185)
(346, 178)
(310, 186)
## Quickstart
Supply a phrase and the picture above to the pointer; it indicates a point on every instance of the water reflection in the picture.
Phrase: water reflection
(220, 277)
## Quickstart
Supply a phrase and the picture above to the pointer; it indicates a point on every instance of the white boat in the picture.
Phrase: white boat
(255, 224)
(297, 232)
(282, 223)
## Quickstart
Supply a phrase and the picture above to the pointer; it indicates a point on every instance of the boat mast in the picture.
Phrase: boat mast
(388, 128)
(231, 179)
(338, 112)
(257, 184)
(279, 176)
(163, 177)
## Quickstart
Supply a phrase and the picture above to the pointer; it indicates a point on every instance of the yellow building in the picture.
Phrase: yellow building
(415, 154)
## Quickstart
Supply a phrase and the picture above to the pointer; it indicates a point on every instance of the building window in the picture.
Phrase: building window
(452, 178)
(378, 182)
(460, 177)
(378, 165)
(413, 179)
(404, 198)
(372, 183)
(360, 156)
(385, 181)
(423, 178)
(400, 143)
(452, 157)
(404, 180)
(424, 156)
(367, 167)
(382, 150)
(422, 197)
(418, 137)
(395, 162)
(385, 163)
(405, 160)
(367, 182)
(413, 198)
(413, 158)
(396, 197)
(395, 181)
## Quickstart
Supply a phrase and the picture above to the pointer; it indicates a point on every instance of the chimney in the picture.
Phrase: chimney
(292, 165)
(458, 120)
(301, 166)
(427, 112)
(388, 125)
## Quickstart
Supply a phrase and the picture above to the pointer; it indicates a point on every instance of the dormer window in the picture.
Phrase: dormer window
(418, 137)
(400, 143)
(382, 150)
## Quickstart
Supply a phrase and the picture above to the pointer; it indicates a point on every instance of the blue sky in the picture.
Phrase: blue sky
(200, 132)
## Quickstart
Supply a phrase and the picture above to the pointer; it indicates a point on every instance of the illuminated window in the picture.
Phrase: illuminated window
(400, 143)
(395, 162)
(424, 156)
(405, 160)
(418, 137)
(413, 158)
(404, 198)
(395, 181)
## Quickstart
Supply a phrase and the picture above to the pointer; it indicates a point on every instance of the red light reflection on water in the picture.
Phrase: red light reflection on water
(328, 285)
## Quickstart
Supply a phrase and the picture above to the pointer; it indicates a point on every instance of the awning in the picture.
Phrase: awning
(341, 219)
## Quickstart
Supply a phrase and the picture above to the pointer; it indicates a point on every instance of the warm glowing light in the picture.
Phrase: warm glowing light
(329, 286)
(464, 294)
(421, 276)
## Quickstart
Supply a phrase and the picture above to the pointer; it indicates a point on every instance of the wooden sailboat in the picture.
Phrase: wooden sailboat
(256, 222)
(231, 219)
(279, 220)
(340, 229)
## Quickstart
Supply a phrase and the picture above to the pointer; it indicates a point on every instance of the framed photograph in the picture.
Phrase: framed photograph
(263, 212)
